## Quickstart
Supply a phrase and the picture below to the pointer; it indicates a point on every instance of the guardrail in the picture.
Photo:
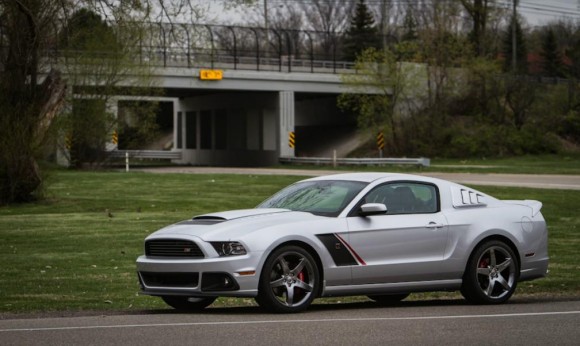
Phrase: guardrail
(146, 154)
(366, 161)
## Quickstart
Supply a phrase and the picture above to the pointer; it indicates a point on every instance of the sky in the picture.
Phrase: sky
(537, 12)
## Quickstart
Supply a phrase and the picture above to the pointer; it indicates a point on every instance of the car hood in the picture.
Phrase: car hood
(232, 225)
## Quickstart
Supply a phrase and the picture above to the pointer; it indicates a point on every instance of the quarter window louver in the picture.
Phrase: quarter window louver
(173, 248)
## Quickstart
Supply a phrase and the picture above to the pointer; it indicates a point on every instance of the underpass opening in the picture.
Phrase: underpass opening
(322, 127)
(228, 128)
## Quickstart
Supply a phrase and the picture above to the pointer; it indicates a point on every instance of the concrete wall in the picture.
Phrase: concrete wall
(234, 129)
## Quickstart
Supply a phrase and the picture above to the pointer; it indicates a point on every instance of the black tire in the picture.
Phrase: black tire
(389, 299)
(491, 275)
(190, 304)
(289, 281)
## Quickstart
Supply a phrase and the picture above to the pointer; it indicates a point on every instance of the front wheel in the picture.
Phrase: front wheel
(491, 275)
(190, 304)
(289, 281)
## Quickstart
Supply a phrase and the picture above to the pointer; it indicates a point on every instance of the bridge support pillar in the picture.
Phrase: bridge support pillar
(286, 121)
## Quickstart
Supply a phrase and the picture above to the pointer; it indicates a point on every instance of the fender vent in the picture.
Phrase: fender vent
(467, 198)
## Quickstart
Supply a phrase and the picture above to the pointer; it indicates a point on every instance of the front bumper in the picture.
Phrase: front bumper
(234, 276)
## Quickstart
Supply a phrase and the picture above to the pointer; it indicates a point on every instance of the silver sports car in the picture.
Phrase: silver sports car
(376, 234)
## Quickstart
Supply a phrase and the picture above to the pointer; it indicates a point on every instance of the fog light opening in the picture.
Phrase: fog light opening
(218, 282)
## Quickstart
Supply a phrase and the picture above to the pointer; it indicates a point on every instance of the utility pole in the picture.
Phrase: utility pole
(266, 15)
(266, 27)
(384, 23)
(514, 42)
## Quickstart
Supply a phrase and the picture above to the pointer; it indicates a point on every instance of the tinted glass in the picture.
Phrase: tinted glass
(405, 198)
(326, 198)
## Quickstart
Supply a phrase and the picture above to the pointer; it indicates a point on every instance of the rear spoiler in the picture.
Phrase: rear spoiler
(536, 206)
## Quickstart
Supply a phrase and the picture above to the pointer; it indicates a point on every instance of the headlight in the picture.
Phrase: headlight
(228, 248)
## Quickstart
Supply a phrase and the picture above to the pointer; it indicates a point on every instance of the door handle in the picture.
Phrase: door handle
(434, 225)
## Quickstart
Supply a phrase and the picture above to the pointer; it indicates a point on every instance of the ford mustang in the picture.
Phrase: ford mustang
(376, 234)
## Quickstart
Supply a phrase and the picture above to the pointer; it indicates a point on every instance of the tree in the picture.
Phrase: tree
(409, 27)
(362, 33)
(552, 65)
(479, 12)
(27, 107)
(328, 18)
(95, 53)
(521, 49)
(378, 92)
(573, 52)
(29, 32)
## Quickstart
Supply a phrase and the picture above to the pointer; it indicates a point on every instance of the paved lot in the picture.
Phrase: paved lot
(565, 182)
(522, 322)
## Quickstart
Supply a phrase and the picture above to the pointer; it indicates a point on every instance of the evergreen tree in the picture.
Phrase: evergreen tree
(573, 52)
(552, 65)
(521, 49)
(362, 33)
(410, 27)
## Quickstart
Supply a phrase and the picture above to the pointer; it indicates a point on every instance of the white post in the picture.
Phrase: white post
(334, 158)
(126, 161)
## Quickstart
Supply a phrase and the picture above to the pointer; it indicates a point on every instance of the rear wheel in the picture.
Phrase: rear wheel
(389, 299)
(492, 274)
(188, 303)
(289, 281)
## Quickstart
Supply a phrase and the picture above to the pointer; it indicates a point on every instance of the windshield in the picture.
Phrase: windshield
(323, 197)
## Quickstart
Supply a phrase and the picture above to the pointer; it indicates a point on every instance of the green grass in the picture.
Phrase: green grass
(67, 253)
(541, 164)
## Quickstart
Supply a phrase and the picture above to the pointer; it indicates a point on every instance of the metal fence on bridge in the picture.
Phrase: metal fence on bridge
(219, 46)
(244, 48)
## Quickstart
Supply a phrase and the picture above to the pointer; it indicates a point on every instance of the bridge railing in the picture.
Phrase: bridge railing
(232, 47)
(176, 57)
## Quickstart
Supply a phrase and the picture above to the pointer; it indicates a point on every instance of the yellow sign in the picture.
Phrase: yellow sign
(380, 141)
(291, 139)
(211, 74)
(115, 138)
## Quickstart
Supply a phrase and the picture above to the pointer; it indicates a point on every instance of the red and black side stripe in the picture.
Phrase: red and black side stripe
(341, 252)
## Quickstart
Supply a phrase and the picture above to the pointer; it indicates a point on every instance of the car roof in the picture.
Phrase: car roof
(369, 177)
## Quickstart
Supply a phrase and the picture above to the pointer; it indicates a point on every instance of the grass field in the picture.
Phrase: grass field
(541, 164)
(76, 250)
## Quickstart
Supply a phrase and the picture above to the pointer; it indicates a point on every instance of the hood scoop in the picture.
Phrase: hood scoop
(203, 220)
(210, 219)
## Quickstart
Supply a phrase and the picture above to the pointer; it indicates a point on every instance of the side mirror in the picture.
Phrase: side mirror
(372, 209)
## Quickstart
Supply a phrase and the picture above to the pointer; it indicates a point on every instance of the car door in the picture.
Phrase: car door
(407, 243)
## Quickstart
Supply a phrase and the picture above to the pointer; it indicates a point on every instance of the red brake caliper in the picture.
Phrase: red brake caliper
(300, 277)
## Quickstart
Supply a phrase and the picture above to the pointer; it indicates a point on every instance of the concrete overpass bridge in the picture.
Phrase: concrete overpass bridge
(262, 95)
(247, 117)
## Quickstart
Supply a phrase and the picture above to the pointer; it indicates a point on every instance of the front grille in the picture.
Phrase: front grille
(170, 279)
(172, 248)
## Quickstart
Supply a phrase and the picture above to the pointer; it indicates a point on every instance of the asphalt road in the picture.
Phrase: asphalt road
(544, 181)
(453, 322)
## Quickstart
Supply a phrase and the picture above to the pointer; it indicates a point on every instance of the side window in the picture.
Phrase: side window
(405, 197)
